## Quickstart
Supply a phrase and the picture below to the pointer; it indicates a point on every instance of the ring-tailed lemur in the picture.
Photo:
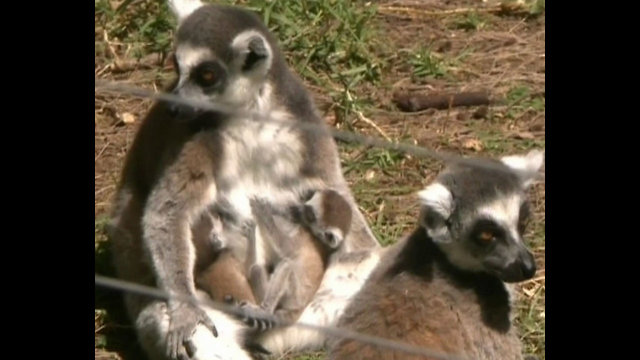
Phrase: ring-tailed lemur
(182, 161)
(443, 287)
(288, 251)
(297, 247)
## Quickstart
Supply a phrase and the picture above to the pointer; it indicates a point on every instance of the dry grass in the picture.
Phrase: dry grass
(500, 53)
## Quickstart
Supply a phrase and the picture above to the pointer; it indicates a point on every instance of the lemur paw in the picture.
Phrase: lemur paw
(216, 242)
(247, 227)
(256, 317)
(183, 320)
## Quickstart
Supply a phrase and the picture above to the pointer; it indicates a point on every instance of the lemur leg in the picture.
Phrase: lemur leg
(281, 282)
(281, 285)
(256, 268)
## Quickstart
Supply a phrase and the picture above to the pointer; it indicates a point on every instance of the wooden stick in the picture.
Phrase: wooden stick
(411, 103)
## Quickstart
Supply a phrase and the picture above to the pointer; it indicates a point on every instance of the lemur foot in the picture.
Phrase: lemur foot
(256, 317)
(183, 319)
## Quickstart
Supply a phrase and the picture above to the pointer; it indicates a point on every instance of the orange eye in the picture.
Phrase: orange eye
(207, 77)
(486, 237)
(208, 74)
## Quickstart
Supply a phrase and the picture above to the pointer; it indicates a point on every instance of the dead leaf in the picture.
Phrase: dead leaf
(532, 291)
(529, 292)
(369, 175)
(473, 144)
(128, 118)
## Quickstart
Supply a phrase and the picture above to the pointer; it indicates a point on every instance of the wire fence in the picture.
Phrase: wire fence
(351, 137)
(346, 136)
(133, 288)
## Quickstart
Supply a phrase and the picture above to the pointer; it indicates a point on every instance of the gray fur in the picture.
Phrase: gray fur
(175, 170)
(419, 293)
(472, 189)
(297, 247)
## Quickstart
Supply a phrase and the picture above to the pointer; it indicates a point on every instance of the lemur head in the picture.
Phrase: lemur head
(223, 54)
(477, 216)
(327, 214)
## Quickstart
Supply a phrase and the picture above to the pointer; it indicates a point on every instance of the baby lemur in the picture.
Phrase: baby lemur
(443, 288)
(287, 254)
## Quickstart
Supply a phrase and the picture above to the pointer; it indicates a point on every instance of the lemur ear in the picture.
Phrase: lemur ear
(183, 8)
(258, 52)
(254, 52)
(437, 207)
(309, 212)
(527, 165)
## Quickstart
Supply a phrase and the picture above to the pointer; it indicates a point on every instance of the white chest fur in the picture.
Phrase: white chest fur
(260, 160)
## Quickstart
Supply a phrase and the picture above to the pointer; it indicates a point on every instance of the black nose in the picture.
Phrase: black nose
(523, 268)
(528, 266)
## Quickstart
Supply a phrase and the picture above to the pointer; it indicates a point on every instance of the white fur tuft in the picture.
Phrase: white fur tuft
(438, 198)
(528, 165)
(224, 347)
(183, 8)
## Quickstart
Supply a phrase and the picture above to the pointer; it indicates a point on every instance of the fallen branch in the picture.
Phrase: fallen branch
(502, 9)
(417, 102)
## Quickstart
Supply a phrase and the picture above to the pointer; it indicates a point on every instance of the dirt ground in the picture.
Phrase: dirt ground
(499, 52)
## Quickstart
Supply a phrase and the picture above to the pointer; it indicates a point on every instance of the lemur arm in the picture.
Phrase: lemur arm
(178, 197)
(256, 270)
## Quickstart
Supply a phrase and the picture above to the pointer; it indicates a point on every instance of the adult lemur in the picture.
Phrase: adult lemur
(443, 287)
(184, 161)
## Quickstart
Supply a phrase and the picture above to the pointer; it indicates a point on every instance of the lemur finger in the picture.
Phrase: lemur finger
(190, 347)
(172, 345)
(206, 321)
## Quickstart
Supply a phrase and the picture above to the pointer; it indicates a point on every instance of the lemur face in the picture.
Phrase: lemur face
(230, 67)
(328, 216)
(478, 216)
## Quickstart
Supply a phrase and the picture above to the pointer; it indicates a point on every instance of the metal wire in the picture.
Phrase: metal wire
(345, 136)
(134, 288)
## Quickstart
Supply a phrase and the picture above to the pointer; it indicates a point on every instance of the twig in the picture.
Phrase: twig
(411, 103)
(373, 125)
(398, 9)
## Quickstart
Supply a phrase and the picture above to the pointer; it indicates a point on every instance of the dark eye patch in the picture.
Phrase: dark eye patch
(486, 232)
(209, 75)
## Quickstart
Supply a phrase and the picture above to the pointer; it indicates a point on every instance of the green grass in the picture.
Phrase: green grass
(326, 41)
(531, 323)
(496, 143)
(330, 43)
(427, 63)
(520, 99)
(143, 27)
(472, 21)
(338, 47)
